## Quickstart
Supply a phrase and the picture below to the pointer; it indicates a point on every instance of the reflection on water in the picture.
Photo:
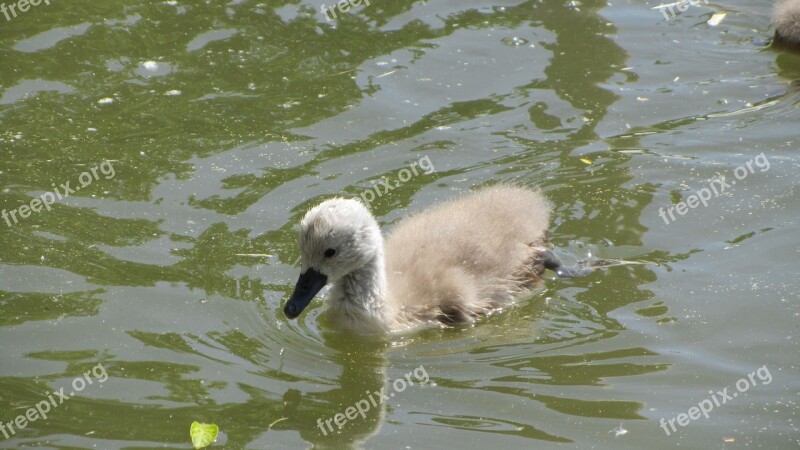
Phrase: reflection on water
(224, 122)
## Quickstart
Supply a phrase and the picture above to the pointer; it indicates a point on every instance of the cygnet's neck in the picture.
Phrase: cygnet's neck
(358, 300)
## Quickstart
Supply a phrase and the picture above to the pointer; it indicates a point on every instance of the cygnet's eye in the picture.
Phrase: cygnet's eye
(329, 253)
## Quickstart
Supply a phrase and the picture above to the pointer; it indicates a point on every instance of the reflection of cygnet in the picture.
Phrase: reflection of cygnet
(786, 18)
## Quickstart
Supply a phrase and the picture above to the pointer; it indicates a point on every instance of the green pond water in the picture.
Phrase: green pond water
(199, 133)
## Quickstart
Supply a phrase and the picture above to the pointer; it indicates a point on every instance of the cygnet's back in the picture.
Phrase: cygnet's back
(786, 18)
(465, 257)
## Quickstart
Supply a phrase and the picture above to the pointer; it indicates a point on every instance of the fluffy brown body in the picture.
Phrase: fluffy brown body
(460, 260)
(786, 19)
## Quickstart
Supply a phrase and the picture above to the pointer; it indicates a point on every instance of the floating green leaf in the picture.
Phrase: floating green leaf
(203, 434)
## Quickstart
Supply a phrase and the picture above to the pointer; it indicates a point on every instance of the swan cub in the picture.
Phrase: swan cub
(449, 264)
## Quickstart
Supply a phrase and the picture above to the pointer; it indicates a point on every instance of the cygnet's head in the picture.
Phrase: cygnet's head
(337, 237)
(786, 18)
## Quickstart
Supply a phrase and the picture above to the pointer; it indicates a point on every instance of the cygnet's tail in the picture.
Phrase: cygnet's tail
(585, 266)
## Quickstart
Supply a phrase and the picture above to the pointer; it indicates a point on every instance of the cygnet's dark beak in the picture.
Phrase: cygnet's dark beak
(306, 288)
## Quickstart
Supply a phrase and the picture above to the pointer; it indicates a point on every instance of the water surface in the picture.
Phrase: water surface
(222, 123)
